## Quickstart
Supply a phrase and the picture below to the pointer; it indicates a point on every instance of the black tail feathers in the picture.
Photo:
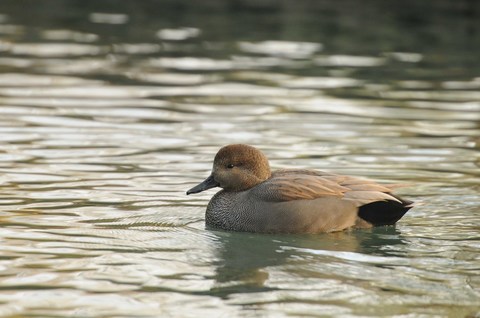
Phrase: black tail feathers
(384, 212)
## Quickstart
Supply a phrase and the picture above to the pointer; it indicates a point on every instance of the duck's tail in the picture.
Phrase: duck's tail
(385, 212)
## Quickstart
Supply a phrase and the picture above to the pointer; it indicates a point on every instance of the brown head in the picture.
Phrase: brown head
(236, 167)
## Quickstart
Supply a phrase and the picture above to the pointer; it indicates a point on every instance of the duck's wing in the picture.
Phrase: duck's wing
(291, 187)
(363, 191)
(370, 202)
(288, 185)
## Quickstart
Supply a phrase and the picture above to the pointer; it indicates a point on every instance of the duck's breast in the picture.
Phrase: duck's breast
(247, 211)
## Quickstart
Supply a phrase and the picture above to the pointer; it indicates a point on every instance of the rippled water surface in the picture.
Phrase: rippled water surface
(111, 110)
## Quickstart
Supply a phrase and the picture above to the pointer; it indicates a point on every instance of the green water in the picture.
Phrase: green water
(111, 110)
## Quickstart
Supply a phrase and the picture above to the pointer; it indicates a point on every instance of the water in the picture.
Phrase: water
(111, 110)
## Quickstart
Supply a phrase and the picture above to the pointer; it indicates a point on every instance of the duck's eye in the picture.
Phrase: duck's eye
(230, 166)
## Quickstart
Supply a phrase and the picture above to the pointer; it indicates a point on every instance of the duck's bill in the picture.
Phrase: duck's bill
(205, 185)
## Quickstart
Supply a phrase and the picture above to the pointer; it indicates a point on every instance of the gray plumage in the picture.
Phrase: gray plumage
(292, 201)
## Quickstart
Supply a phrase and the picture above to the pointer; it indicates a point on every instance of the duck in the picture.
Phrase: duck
(255, 199)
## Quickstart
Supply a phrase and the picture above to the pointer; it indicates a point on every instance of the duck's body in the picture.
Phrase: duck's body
(292, 201)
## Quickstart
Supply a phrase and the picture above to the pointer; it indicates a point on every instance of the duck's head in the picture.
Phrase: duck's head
(236, 167)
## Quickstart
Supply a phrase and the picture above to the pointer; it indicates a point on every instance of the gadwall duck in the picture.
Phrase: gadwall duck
(254, 199)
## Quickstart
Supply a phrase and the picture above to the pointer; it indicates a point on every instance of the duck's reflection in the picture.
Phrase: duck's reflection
(245, 258)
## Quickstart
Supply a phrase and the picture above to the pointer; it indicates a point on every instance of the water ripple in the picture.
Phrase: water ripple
(107, 117)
